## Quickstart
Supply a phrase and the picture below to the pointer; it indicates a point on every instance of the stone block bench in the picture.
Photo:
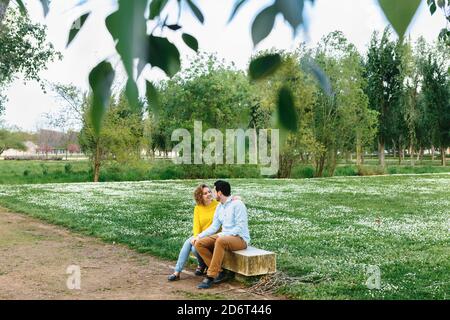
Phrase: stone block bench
(250, 262)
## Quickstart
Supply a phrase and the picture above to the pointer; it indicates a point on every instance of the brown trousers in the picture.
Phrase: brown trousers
(212, 250)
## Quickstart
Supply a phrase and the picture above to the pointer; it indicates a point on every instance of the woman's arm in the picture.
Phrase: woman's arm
(196, 229)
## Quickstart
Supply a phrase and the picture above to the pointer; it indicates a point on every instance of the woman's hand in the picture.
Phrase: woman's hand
(237, 198)
(193, 240)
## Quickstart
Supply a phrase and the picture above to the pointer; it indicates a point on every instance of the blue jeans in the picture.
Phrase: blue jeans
(184, 255)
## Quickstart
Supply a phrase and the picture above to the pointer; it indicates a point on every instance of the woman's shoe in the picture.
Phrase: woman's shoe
(200, 271)
(173, 277)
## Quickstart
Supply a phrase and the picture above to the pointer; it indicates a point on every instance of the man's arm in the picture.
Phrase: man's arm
(213, 227)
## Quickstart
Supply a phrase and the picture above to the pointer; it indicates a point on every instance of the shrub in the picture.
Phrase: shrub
(370, 170)
(302, 172)
(346, 171)
(44, 169)
(26, 173)
(68, 168)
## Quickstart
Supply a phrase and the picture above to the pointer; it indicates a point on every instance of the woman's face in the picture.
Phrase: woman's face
(207, 195)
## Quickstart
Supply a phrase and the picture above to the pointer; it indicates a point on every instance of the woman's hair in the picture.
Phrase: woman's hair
(198, 194)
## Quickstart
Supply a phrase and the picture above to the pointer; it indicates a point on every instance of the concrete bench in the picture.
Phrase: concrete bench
(250, 262)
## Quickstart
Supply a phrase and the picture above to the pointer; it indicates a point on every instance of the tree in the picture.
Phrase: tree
(207, 90)
(121, 137)
(10, 140)
(23, 50)
(135, 43)
(298, 143)
(342, 121)
(436, 91)
(383, 73)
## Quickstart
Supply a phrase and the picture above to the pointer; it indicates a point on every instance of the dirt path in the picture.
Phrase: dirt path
(34, 257)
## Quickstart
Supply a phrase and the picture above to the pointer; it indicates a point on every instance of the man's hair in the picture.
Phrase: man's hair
(223, 186)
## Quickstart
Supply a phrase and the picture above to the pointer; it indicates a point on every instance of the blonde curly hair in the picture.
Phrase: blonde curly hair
(198, 194)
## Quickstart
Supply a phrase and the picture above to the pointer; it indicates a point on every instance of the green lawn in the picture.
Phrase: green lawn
(19, 172)
(326, 229)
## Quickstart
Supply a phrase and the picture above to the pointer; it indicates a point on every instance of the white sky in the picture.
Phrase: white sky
(356, 18)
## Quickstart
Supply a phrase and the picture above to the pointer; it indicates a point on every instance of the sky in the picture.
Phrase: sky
(357, 19)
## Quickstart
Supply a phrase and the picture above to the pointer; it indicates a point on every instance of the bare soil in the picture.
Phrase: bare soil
(34, 257)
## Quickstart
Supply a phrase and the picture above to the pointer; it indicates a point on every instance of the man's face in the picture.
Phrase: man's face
(216, 194)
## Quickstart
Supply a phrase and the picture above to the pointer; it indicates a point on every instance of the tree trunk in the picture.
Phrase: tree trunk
(97, 163)
(358, 151)
(381, 152)
(432, 153)
(3, 6)
(411, 154)
(348, 157)
(443, 156)
(319, 166)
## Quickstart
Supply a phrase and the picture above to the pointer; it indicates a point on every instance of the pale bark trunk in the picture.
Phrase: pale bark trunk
(432, 153)
(443, 162)
(358, 152)
(97, 163)
(411, 154)
(381, 152)
(420, 154)
(3, 6)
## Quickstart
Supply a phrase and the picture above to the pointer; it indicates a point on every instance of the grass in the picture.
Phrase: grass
(329, 229)
(30, 172)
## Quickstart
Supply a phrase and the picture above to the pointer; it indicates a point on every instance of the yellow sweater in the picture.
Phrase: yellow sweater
(203, 217)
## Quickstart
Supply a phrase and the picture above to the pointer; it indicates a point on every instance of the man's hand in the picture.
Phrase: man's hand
(194, 240)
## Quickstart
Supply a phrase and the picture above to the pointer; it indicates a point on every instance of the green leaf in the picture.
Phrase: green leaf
(236, 8)
(264, 66)
(190, 41)
(433, 8)
(196, 11)
(132, 94)
(399, 13)
(76, 27)
(263, 24)
(128, 28)
(45, 5)
(100, 80)
(140, 67)
(164, 55)
(152, 98)
(311, 67)
(22, 8)
(173, 27)
(287, 114)
(156, 7)
(292, 11)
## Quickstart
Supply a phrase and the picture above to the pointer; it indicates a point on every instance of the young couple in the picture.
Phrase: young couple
(210, 214)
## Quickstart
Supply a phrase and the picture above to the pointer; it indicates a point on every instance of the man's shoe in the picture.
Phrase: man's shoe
(221, 277)
(206, 283)
(200, 271)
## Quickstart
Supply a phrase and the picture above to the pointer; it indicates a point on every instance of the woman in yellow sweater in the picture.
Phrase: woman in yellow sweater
(203, 217)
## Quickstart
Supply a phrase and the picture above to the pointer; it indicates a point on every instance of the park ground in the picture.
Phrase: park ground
(326, 232)
(34, 257)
